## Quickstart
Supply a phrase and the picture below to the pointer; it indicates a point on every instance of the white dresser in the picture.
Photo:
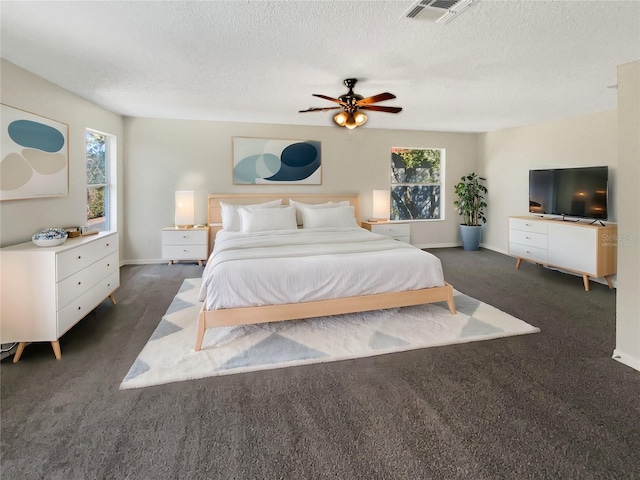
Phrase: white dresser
(47, 290)
(580, 247)
(191, 243)
(395, 230)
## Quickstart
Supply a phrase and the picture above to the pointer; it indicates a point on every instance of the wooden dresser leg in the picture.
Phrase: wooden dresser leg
(56, 349)
(518, 263)
(112, 298)
(19, 351)
(199, 263)
(608, 279)
(585, 279)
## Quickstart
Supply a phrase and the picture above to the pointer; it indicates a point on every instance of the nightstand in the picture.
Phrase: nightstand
(185, 243)
(396, 230)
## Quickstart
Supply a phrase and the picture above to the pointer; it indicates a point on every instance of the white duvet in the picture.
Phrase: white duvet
(291, 266)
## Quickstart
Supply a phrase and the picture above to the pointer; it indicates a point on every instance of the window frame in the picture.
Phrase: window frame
(440, 184)
(110, 175)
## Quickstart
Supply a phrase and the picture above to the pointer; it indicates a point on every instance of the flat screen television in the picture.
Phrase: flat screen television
(573, 192)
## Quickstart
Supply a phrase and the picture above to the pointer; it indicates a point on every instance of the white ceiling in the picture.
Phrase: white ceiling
(499, 64)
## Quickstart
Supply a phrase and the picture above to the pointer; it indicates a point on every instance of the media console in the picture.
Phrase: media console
(587, 249)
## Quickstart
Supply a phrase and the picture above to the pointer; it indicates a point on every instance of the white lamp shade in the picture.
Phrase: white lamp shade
(185, 207)
(381, 204)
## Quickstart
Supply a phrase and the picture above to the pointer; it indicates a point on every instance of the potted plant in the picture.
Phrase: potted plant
(471, 205)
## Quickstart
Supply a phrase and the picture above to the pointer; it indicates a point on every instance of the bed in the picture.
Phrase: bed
(265, 275)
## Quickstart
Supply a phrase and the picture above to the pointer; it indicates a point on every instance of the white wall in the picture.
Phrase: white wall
(628, 201)
(19, 219)
(507, 155)
(162, 156)
(157, 157)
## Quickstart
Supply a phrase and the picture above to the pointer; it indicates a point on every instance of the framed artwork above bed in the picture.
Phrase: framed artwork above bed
(264, 161)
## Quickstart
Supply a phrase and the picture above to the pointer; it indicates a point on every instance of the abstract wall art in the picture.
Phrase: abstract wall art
(261, 161)
(35, 155)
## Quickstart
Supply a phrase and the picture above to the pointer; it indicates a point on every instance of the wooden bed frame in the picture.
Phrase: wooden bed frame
(291, 311)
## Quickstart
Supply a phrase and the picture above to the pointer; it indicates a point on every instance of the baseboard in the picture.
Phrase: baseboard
(628, 360)
(494, 249)
(453, 245)
(154, 261)
(437, 245)
(144, 261)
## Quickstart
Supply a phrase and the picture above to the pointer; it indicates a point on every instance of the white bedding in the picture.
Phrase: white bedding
(291, 266)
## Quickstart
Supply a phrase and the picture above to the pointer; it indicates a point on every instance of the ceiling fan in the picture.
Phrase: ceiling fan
(351, 104)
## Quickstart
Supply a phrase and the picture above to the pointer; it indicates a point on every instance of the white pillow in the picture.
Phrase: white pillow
(299, 205)
(343, 216)
(265, 219)
(231, 219)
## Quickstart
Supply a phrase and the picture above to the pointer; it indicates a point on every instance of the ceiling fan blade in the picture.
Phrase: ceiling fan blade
(319, 109)
(328, 98)
(377, 108)
(376, 98)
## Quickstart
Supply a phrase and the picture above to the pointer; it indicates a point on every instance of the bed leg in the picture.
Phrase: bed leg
(450, 302)
(200, 332)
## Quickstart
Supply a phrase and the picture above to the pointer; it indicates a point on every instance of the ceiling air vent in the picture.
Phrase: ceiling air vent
(416, 8)
(446, 4)
(439, 11)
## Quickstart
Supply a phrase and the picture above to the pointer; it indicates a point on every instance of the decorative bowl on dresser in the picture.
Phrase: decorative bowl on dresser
(47, 290)
(49, 237)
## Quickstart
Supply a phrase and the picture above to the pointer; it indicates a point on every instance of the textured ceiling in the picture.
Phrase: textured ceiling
(499, 64)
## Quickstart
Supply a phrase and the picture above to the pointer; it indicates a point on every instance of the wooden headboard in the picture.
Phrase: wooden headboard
(214, 212)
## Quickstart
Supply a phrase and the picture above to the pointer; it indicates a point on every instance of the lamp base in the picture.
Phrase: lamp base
(183, 226)
(377, 220)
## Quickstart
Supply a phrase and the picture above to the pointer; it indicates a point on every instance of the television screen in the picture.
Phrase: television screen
(573, 192)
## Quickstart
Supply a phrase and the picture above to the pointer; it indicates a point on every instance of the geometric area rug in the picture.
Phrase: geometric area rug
(169, 354)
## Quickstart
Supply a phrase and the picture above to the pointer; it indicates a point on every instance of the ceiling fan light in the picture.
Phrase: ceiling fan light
(351, 117)
(351, 122)
(341, 118)
(360, 118)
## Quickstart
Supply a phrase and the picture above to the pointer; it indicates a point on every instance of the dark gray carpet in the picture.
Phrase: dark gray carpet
(543, 406)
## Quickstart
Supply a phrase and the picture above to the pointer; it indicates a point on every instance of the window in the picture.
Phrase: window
(98, 175)
(416, 183)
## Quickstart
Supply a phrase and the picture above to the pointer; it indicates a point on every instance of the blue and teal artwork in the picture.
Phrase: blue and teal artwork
(260, 161)
(34, 159)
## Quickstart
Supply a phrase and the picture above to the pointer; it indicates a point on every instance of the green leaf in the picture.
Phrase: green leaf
(470, 203)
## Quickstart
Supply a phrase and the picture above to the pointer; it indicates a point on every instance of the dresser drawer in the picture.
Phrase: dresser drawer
(402, 239)
(78, 283)
(74, 260)
(392, 229)
(184, 237)
(527, 225)
(184, 252)
(538, 255)
(69, 315)
(530, 239)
